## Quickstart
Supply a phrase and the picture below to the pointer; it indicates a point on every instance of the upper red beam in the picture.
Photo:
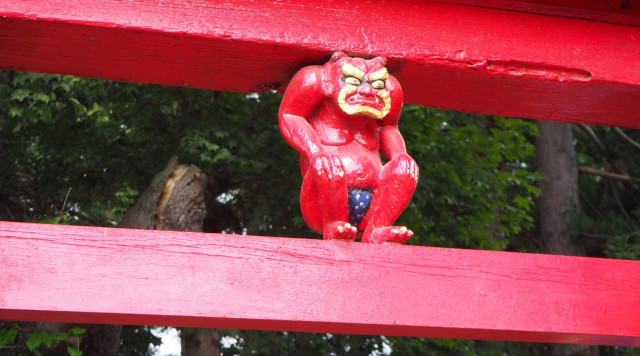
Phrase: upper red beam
(445, 55)
(614, 11)
(102, 275)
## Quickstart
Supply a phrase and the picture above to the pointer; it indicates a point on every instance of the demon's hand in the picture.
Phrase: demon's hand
(405, 165)
(327, 166)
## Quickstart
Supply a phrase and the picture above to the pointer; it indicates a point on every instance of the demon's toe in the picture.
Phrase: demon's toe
(340, 230)
(395, 234)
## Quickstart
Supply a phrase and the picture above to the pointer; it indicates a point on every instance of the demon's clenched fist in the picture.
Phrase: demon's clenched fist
(340, 116)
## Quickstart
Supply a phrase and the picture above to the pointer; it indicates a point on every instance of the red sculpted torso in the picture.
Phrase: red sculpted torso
(340, 117)
(354, 140)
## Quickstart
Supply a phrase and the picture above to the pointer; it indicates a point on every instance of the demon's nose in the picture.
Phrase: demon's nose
(366, 90)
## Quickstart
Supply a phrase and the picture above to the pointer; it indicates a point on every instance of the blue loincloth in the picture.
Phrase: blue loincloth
(359, 204)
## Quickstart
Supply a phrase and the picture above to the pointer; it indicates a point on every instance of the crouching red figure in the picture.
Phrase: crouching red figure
(340, 116)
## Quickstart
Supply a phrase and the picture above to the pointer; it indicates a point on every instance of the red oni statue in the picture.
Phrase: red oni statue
(340, 116)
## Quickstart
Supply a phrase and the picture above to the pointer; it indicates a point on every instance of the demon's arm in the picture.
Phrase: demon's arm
(303, 94)
(391, 141)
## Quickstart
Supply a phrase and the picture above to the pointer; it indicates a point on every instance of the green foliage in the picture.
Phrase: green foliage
(80, 151)
(285, 343)
(7, 336)
(624, 246)
(619, 351)
(138, 341)
(476, 188)
(241, 146)
(38, 340)
(73, 351)
(454, 347)
(432, 347)
(60, 132)
(609, 223)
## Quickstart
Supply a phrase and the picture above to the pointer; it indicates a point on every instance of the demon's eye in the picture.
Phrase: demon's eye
(377, 84)
(352, 80)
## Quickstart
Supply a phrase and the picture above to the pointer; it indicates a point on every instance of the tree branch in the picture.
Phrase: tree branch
(614, 176)
(593, 135)
(622, 209)
(627, 138)
(91, 220)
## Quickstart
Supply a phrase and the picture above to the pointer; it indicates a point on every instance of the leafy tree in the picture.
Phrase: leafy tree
(609, 223)
(476, 188)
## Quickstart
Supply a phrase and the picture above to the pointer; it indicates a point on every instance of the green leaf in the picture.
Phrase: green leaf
(15, 111)
(20, 94)
(34, 341)
(73, 351)
(77, 331)
(46, 338)
(523, 202)
(59, 336)
(7, 336)
(41, 97)
(78, 107)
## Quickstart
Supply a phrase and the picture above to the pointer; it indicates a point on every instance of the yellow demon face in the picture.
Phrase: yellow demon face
(363, 88)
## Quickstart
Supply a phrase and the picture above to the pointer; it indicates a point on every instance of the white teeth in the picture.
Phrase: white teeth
(356, 97)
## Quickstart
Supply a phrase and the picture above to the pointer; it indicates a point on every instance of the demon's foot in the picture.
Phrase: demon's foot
(397, 234)
(340, 230)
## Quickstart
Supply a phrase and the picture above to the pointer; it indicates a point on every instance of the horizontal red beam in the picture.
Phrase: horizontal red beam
(614, 11)
(445, 55)
(104, 275)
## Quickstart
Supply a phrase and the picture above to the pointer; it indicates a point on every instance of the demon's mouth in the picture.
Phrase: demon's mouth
(375, 106)
(372, 101)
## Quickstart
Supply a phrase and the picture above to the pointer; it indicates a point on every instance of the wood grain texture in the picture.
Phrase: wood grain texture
(445, 55)
(615, 11)
(105, 275)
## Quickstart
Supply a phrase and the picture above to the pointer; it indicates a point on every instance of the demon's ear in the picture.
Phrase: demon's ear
(337, 55)
(381, 60)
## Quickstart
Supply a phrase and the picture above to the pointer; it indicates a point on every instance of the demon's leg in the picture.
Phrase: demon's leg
(398, 181)
(324, 198)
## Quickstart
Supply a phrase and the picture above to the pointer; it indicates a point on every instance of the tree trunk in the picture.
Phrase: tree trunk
(559, 205)
(173, 201)
(200, 342)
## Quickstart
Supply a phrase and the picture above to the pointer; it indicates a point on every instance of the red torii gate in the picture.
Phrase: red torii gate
(573, 61)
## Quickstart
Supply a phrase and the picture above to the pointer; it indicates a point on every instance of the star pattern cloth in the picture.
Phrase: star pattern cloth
(359, 204)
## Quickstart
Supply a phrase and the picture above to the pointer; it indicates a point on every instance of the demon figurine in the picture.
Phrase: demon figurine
(340, 116)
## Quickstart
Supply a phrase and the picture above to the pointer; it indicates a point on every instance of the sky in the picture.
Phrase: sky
(170, 342)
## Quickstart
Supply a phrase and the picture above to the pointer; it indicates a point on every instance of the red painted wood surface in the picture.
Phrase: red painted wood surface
(444, 55)
(615, 11)
(102, 275)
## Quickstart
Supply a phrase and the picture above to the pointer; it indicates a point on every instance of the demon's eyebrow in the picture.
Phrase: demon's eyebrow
(381, 74)
(351, 71)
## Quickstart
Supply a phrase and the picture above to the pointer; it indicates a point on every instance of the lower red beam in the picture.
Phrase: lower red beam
(103, 275)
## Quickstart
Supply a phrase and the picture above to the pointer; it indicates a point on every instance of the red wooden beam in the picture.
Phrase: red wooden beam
(104, 275)
(625, 12)
(445, 55)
